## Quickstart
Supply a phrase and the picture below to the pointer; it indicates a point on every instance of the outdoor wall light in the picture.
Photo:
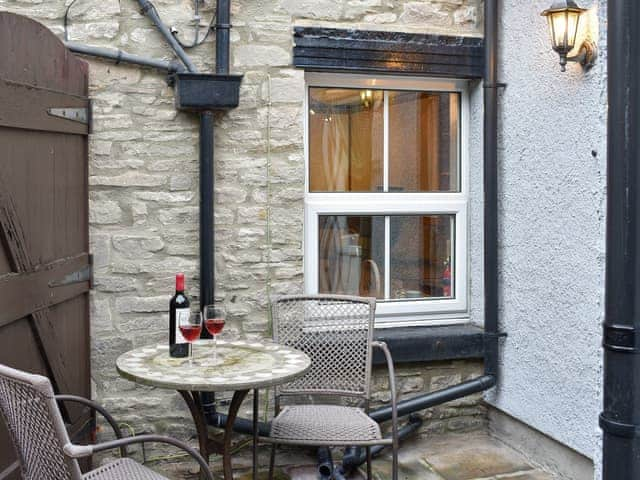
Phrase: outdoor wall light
(564, 19)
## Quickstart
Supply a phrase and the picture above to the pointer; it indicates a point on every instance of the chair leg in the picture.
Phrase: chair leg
(394, 465)
(369, 463)
(272, 461)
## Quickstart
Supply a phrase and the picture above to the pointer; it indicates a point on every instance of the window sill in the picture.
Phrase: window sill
(426, 344)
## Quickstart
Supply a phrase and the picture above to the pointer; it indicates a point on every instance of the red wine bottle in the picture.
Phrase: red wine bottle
(178, 315)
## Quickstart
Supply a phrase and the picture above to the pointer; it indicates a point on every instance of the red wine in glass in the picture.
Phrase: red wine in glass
(190, 327)
(214, 325)
(190, 332)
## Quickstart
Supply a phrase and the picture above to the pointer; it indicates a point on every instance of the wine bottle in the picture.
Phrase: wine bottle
(178, 312)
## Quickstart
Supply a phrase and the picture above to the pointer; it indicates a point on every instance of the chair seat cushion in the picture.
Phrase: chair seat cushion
(324, 425)
(123, 469)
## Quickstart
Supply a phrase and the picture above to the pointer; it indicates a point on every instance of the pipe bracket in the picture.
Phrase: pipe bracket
(495, 85)
(621, 339)
(619, 429)
(498, 335)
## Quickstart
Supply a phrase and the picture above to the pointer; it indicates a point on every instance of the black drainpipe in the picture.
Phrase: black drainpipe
(207, 183)
(492, 334)
(620, 419)
(207, 179)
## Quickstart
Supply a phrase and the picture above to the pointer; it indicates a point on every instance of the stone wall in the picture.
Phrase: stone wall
(143, 178)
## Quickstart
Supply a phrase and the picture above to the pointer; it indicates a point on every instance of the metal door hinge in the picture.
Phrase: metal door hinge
(80, 115)
(79, 276)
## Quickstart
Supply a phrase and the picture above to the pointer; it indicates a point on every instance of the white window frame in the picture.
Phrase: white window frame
(401, 312)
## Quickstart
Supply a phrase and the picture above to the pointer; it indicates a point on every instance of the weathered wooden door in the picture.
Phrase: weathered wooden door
(44, 240)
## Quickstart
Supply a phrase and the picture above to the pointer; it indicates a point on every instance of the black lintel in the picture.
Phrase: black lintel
(389, 52)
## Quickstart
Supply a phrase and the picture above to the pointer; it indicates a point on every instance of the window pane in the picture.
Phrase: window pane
(420, 265)
(346, 139)
(351, 255)
(423, 142)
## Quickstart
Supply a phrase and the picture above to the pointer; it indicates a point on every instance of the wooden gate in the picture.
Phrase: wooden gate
(44, 260)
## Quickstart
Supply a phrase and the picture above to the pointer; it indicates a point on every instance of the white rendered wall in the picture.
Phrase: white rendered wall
(552, 157)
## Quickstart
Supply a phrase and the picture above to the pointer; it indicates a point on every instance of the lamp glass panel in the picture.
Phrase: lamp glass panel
(563, 27)
(573, 20)
(552, 31)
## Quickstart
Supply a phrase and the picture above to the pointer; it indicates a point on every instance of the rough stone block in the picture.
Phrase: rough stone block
(104, 212)
(260, 55)
(130, 304)
(137, 246)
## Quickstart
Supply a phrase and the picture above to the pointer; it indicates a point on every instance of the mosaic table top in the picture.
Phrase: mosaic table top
(238, 365)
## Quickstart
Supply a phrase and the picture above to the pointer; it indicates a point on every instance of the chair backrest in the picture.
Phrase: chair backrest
(29, 409)
(336, 332)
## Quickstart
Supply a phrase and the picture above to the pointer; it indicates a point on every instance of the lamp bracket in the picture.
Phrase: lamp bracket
(587, 56)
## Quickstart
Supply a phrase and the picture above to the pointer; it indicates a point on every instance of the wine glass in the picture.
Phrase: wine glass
(190, 327)
(214, 318)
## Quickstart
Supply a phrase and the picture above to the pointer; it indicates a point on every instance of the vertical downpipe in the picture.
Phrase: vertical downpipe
(491, 188)
(207, 240)
(620, 419)
(207, 178)
(207, 182)
(223, 24)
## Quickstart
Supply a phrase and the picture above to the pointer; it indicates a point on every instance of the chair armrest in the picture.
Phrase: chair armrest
(392, 386)
(79, 451)
(98, 408)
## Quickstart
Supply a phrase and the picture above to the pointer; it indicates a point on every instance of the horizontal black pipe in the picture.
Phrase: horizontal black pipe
(241, 425)
(406, 407)
(150, 11)
(438, 397)
(325, 463)
(356, 456)
(123, 57)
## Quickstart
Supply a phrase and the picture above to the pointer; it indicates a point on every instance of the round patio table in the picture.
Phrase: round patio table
(238, 366)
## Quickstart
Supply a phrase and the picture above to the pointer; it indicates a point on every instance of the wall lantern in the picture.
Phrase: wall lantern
(564, 18)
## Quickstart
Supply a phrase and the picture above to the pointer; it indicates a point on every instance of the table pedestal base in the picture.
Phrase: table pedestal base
(209, 446)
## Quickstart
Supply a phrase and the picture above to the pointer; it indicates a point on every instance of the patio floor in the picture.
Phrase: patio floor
(473, 456)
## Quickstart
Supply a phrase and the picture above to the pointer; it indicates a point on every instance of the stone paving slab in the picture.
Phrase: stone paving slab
(475, 456)
(531, 475)
(469, 457)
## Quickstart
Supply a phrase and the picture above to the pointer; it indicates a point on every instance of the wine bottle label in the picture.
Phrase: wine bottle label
(182, 317)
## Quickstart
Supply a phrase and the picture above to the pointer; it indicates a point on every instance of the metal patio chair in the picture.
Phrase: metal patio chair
(30, 411)
(336, 331)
